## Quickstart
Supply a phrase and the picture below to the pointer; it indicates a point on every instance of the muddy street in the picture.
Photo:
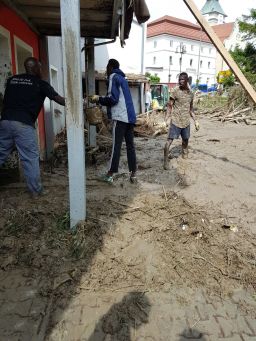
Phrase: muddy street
(170, 258)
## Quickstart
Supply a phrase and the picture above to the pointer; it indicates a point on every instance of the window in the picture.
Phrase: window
(202, 49)
(201, 63)
(154, 60)
(155, 44)
(192, 47)
(210, 50)
(55, 108)
(207, 80)
(170, 60)
(180, 61)
(191, 62)
(209, 65)
(171, 43)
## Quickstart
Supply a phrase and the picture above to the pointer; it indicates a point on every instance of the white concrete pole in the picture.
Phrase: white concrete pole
(71, 47)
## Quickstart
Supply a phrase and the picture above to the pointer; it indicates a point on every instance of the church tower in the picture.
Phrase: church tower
(213, 12)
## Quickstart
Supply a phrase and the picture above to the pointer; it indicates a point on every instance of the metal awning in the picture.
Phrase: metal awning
(98, 18)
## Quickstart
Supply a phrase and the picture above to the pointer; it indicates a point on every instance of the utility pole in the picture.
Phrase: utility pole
(199, 57)
(169, 75)
(181, 49)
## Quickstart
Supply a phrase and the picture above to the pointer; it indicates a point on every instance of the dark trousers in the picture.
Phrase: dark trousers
(120, 131)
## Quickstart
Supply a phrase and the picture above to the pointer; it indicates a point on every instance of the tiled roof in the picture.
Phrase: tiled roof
(176, 27)
(223, 31)
(212, 6)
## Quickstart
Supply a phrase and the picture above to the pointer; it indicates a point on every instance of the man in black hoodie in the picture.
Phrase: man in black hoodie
(23, 99)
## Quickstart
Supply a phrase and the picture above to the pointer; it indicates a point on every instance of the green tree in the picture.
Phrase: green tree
(248, 25)
(228, 81)
(246, 58)
(153, 79)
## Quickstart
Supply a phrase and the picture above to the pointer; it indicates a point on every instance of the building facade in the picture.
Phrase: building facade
(175, 45)
(130, 57)
(231, 37)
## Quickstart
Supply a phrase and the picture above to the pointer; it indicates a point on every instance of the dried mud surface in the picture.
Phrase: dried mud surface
(191, 226)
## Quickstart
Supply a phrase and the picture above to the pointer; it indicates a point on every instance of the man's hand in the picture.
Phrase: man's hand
(94, 99)
(197, 126)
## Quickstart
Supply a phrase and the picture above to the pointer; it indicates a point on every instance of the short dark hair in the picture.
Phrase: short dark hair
(114, 63)
(183, 74)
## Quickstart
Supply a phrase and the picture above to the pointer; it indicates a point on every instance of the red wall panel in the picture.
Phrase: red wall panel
(19, 28)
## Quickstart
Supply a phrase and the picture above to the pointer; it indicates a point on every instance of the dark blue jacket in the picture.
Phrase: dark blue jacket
(119, 99)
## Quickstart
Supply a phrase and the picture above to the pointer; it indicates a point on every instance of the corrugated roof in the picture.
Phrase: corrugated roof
(224, 31)
(98, 18)
(212, 6)
(176, 27)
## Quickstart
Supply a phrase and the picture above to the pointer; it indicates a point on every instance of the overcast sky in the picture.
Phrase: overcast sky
(177, 8)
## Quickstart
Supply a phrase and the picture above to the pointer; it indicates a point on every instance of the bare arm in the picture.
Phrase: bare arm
(192, 114)
(169, 110)
(60, 100)
(191, 111)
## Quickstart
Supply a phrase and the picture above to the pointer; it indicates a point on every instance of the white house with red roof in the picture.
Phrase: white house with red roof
(230, 36)
(176, 45)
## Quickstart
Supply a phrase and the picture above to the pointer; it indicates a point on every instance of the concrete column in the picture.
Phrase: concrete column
(71, 46)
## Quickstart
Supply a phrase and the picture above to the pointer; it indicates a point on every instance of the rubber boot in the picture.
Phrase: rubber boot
(166, 159)
(184, 153)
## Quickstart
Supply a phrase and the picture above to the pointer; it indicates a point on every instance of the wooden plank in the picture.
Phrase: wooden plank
(71, 46)
(39, 12)
(117, 7)
(86, 4)
(221, 49)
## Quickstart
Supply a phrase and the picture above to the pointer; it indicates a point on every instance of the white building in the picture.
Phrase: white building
(231, 37)
(130, 57)
(175, 45)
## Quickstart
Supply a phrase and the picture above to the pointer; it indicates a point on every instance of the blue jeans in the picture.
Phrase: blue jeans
(176, 132)
(24, 137)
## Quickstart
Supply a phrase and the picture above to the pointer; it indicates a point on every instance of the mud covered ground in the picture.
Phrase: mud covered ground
(175, 232)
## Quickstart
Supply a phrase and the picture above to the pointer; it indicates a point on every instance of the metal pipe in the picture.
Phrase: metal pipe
(99, 44)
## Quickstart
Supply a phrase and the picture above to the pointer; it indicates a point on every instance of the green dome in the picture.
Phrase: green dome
(212, 6)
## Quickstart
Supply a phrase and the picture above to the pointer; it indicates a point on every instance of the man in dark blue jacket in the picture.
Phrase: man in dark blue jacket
(121, 111)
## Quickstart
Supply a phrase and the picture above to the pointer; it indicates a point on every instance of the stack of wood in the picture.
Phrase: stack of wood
(237, 108)
(246, 115)
(151, 124)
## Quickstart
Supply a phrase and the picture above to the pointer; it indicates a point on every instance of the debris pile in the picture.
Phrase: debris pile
(237, 107)
(152, 123)
(199, 250)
